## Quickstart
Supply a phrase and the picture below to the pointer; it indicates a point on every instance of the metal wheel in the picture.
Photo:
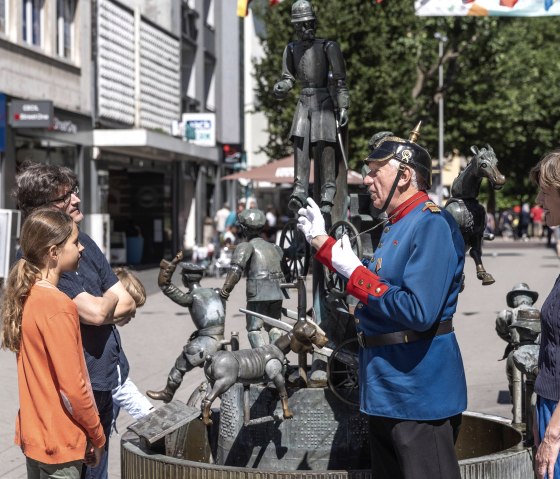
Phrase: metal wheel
(335, 283)
(295, 261)
(342, 372)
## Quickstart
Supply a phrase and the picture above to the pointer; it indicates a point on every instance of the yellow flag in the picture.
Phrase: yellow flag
(242, 7)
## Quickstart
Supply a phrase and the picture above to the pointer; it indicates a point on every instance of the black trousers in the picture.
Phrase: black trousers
(403, 449)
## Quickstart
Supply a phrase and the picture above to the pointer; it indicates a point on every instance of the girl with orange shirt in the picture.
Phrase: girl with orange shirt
(57, 427)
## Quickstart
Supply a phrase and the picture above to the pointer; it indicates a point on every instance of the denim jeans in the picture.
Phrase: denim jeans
(104, 402)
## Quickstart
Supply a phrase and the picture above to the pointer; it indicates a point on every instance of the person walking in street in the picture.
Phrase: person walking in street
(412, 381)
(99, 296)
(220, 220)
(57, 427)
(546, 174)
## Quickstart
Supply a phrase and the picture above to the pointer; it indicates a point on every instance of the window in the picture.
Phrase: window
(3, 16)
(65, 10)
(33, 22)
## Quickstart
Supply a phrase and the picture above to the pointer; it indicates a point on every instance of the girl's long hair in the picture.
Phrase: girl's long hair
(42, 229)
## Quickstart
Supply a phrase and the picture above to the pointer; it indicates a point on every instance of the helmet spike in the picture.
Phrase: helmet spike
(414, 134)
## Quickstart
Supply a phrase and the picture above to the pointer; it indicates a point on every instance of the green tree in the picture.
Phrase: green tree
(499, 83)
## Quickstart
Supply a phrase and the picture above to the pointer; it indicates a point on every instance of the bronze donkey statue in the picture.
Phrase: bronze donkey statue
(465, 208)
(223, 369)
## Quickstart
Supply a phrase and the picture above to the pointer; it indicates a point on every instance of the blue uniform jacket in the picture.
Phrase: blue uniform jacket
(412, 282)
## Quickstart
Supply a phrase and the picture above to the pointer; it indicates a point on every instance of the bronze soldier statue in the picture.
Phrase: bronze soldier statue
(319, 67)
(261, 261)
(208, 314)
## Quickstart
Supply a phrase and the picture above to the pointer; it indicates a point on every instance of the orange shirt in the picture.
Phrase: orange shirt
(57, 411)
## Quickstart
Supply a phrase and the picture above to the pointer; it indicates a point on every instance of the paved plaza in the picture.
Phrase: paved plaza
(156, 336)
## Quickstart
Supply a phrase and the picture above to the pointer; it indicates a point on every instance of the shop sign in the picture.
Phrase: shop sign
(31, 114)
(2, 122)
(199, 128)
(64, 126)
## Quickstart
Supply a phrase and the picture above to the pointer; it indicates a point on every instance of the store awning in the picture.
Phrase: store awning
(282, 171)
(152, 145)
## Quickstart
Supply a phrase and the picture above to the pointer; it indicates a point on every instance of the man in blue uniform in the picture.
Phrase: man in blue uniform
(412, 381)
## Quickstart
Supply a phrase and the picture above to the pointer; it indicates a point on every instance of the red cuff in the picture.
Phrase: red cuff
(324, 255)
(363, 282)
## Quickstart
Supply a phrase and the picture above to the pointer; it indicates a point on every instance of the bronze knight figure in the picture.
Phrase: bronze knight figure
(318, 66)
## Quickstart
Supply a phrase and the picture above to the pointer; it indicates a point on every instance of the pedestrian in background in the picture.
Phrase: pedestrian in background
(220, 219)
(99, 296)
(57, 427)
(546, 174)
(412, 381)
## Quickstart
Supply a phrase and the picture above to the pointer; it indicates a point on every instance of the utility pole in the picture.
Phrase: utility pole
(441, 39)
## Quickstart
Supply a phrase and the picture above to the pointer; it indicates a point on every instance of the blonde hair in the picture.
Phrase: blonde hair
(132, 284)
(41, 230)
(547, 170)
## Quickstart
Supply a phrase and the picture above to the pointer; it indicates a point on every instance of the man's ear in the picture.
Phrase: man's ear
(406, 176)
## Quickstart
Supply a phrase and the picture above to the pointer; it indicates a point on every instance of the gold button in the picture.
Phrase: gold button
(378, 290)
(361, 282)
(386, 230)
(368, 285)
(360, 306)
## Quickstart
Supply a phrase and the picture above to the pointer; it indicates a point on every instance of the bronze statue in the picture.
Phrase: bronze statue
(519, 327)
(207, 311)
(465, 208)
(319, 67)
(261, 261)
(252, 366)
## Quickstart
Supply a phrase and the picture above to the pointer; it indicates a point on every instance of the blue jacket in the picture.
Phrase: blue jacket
(412, 282)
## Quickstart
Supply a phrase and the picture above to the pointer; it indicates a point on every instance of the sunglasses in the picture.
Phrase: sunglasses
(65, 198)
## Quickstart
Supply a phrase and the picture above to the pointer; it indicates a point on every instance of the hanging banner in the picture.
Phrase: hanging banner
(501, 8)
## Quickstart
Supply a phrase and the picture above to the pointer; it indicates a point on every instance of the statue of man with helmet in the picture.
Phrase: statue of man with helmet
(407, 294)
(319, 67)
(261, 261)
(519, 325)
(207, 311)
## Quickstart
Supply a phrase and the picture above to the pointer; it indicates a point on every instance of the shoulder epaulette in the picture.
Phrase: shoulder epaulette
(430, 205)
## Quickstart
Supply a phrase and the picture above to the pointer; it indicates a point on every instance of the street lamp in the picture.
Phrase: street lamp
(442, 39)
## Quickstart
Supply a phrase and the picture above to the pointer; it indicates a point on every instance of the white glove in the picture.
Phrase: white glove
(310, 221)
(343, 258)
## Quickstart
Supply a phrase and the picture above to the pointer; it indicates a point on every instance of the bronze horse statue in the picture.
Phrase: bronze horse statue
(465, 208)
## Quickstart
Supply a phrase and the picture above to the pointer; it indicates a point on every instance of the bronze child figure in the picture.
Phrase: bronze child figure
(207, 311)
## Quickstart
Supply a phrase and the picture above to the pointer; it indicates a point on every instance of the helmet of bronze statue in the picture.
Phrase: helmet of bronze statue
(252, 220)
(520, 289)
(385, 146)
(302, 11)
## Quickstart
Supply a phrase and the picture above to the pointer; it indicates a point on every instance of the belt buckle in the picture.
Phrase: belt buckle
(361, 339)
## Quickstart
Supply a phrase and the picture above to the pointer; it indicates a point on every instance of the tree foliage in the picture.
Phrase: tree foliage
(500, 77)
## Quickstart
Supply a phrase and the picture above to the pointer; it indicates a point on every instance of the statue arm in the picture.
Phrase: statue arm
(241, 257)
(286, 83)
(167, 268)
(177, 296)
(338, 70)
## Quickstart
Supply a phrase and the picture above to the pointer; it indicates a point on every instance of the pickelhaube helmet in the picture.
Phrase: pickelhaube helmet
(252, 219)
(520, 289)
(385, 146)
(302, 11)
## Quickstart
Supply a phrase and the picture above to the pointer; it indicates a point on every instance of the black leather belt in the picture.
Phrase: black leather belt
(406, 336)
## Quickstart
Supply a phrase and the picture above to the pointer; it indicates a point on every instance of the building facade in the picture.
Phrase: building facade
(118, 76)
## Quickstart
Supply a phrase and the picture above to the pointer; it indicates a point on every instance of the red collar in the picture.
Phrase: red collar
(407, 206)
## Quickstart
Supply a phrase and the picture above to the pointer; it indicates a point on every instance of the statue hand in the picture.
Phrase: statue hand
(224, 294)
(342, 117)
(281, 89)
